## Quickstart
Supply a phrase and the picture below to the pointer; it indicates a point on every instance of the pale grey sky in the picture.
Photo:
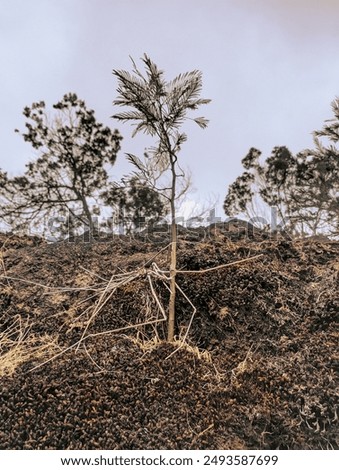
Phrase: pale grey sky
(271, 68)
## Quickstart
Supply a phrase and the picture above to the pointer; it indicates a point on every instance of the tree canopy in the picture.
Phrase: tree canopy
(135, 203)
(70, 170)
(304, 187)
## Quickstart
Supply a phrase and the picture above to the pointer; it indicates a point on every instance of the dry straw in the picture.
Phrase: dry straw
(24, 347)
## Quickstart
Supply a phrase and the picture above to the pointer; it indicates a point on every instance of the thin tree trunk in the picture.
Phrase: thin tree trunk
(173, 265)
(86, 210)
(89, 217)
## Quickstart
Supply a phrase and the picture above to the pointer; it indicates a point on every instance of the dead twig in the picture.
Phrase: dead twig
(93, 273)
(149, 262)
(211, 426)
(38, 284)
(149, 270)
(222, 266)
(102, 301)
(93, 361)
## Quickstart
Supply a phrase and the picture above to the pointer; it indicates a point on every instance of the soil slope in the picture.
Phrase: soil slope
(257, 370)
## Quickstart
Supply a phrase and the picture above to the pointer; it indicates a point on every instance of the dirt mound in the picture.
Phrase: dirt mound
(257, 371)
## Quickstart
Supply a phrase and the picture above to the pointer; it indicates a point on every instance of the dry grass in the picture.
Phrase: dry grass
(17, 346)
(151, 344)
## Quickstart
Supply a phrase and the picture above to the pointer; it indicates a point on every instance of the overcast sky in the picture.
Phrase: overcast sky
(271, 68)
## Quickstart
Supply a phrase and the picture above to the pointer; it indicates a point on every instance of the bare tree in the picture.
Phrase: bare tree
(159, 108)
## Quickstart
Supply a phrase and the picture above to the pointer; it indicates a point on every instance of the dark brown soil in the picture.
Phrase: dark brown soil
(258, 370)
